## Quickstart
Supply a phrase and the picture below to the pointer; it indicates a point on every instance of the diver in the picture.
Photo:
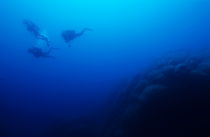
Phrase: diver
(70, 35)
(38, 52)
(42, 48)
(36, 31)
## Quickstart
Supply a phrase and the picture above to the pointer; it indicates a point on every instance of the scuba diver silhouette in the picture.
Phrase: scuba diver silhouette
(38, 52)
(70, 35)
(36, 31)
(42, 47)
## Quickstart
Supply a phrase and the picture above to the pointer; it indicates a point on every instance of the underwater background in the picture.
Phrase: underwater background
(50, 96)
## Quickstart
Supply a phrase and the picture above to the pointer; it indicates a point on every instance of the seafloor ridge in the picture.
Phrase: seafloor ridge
(170, 99)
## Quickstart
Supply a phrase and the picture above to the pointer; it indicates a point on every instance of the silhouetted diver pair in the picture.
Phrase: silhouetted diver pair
(37, 51)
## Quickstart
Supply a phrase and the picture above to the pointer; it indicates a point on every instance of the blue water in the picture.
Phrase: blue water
(127, 36)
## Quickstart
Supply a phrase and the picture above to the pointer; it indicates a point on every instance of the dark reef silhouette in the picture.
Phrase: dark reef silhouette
(170, 99)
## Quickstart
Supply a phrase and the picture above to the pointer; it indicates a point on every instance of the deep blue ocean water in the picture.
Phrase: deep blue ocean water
(127, 36)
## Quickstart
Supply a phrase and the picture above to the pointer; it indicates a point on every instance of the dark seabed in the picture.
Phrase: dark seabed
(105, 68)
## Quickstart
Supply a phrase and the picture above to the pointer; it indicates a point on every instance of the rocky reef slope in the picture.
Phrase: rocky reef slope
(170, 99)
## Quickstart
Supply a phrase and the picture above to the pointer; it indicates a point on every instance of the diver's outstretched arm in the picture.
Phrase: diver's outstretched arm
(44, 39)
(47, 54)
(50, 50)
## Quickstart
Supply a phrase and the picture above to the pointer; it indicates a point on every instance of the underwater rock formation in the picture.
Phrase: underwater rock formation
(171, 99)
